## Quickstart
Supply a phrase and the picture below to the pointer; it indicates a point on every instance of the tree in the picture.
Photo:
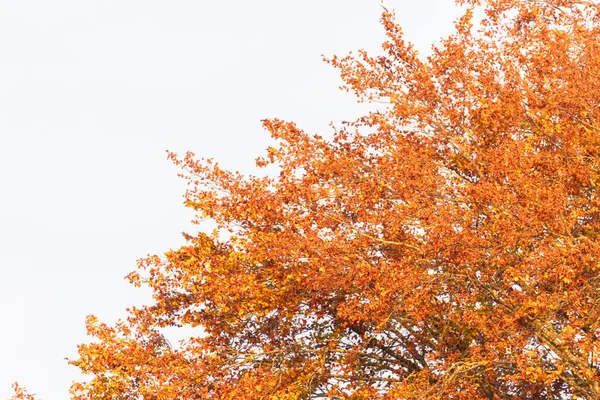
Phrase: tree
(444, 247)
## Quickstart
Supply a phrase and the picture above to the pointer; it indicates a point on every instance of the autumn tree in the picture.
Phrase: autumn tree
(443, 247)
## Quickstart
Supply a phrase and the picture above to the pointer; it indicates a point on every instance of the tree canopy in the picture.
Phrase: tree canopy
(445, 246)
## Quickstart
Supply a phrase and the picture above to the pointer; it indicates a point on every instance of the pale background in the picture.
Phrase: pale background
(92, 93)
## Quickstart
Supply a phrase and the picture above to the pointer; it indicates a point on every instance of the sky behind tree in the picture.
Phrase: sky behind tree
(92, 93)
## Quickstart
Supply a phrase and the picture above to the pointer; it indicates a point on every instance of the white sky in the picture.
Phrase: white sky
(92, 93)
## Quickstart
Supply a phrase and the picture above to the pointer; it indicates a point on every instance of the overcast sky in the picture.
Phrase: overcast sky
(92, 93)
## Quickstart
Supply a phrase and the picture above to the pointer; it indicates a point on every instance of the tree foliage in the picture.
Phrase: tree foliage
(443, 247)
